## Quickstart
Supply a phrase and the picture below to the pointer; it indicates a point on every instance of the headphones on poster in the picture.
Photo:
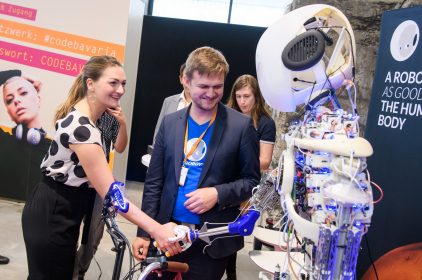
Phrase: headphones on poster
(32, 136)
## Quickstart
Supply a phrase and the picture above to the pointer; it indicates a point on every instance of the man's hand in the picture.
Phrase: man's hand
(118, 114)
(140, 248)
(201, 200)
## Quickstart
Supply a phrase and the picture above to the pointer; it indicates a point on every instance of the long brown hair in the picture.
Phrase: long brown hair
(93, 70)
(258, 108)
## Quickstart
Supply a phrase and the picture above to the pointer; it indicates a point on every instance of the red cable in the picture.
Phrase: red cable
(381, 192)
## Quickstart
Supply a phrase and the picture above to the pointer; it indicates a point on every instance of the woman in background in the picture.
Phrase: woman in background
(246, 98)
(74, 163)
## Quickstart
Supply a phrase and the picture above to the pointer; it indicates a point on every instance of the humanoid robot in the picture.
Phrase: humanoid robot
(307, 59)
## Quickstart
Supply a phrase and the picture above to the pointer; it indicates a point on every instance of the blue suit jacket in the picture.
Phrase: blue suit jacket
(231, 166)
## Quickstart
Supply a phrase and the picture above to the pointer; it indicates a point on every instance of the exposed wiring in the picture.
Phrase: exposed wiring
(355, 96)
(333, 97)
(220, 237)
(306, 104)
(380, 190)
(279, 171)
(346, 174)
(368, 176)
(280, 220)
(289, 260)
(349, 95)
(351, 45)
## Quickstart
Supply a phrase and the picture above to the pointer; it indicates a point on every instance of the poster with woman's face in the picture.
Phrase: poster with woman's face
(22, 101)
(49, 42)
(26, 98)
(43, 47)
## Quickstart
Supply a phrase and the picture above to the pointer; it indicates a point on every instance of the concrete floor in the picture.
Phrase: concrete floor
(12, 244)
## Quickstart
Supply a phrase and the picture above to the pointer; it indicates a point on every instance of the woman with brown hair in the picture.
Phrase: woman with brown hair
(246, 98)
(75, 163)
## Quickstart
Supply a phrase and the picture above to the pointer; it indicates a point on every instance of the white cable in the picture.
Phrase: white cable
(346, 174)
(279, 170)
(355, 91)
(253, 209)
(285, 235)
(220, 237)
(368, 176)
(302, 267)
(350, 164)
(300, 150)
(280, 220)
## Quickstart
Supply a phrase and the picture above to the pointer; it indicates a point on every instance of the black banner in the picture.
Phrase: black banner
(394, 129)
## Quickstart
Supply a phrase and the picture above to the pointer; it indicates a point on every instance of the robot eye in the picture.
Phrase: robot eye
(415, 39)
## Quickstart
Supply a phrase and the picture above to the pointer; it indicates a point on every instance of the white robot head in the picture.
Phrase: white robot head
(293, 61)
(404, 40)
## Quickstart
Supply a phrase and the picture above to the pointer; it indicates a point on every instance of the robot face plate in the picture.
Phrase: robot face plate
(404, 40)
(285, 87)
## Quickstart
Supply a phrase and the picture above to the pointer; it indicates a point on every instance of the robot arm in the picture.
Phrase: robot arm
(243, 226)
(265, 197)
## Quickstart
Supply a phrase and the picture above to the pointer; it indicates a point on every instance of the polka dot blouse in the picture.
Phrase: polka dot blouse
(61, 163)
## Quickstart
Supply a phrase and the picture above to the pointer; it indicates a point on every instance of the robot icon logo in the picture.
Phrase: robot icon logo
(200, 150)
(404, 40)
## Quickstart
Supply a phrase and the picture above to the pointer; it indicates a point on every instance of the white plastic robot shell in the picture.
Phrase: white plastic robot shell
(276, 81)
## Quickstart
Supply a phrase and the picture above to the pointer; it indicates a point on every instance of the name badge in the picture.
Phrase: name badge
(183, 175)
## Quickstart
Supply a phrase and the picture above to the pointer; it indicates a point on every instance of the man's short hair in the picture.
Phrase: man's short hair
(182, 69)
(206, 60)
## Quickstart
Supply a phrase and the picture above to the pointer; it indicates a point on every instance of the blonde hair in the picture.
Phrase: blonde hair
(258, 108)
(206, 60)
(93, 70)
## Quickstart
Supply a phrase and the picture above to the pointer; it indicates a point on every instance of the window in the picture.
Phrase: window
(213, 10)
(258, 12)
(248, 12)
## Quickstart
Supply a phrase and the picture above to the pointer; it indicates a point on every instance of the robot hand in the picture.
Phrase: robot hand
(183, 236)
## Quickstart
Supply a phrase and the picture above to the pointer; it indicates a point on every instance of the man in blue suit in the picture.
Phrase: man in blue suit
(205, 163)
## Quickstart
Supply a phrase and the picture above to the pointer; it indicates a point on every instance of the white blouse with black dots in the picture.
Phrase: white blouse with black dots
(61, 163)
